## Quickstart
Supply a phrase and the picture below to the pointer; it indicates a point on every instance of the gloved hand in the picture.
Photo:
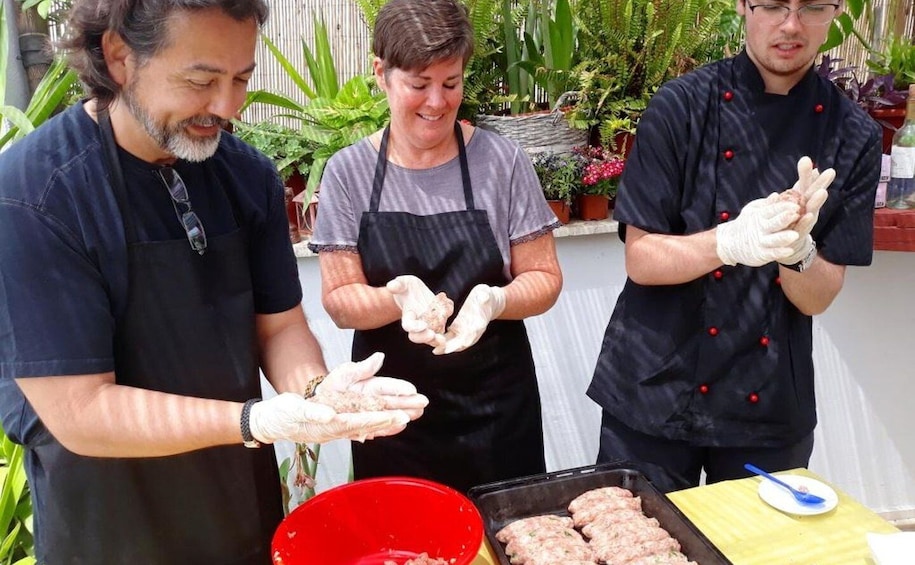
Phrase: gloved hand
(398, 394)
(290, 416)
(812, 185)
(413, 298)
(760, 233)
(483, 304)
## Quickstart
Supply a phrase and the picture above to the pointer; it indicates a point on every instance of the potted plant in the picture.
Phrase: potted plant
(599, 182)
(560, 177)
(878, 95)
(536, 62)
(328, 118)
(628, 49)
(291, 152)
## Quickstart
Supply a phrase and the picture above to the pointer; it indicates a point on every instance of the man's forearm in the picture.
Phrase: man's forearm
(659, 259)
(92, 416)
(813, 291)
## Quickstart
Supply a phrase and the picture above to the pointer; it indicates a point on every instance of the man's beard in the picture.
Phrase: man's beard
(174, 139)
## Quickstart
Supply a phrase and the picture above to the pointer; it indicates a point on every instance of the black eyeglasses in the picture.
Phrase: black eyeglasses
(808, 14)
(192, 225)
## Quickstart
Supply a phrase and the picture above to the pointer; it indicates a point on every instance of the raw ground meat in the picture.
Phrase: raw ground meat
(423, 559)
(523, 527)
(348, 402)
(438, 312)
(795, 196)
(612, 521)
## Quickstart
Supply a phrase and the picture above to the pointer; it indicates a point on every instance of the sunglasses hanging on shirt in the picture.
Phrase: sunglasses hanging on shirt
(192, 225)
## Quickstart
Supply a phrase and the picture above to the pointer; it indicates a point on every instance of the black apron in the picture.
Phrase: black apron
(483, 422)
(188, 329)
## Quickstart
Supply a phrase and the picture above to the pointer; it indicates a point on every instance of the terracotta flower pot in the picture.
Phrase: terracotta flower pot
(562, 210)
(593, 207)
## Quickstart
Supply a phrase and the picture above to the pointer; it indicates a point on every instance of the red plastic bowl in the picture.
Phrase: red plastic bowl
(370, 521)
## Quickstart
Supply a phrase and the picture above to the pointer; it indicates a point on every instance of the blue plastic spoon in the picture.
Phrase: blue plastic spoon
(802, 497)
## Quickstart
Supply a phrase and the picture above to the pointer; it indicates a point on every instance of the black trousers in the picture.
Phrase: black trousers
(673, 465)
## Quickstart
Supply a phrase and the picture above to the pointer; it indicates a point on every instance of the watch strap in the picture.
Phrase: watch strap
(246, 436)
(804, 263)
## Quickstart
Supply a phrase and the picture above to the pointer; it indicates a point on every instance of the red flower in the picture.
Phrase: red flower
(601, 172)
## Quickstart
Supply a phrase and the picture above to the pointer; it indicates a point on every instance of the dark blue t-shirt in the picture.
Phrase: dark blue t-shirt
(63, 252)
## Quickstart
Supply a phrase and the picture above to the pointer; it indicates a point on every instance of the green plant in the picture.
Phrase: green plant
(331, 124)
(329, 118)
(54, 90)
(874, 93)
(629, 48)
(844, 25)
(289, 151)
(17, 546)
(550, 41)
(560, 174)
(485, 75)
(897, 58)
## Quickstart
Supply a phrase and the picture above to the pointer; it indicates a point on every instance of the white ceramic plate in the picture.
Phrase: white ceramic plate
(778, 496)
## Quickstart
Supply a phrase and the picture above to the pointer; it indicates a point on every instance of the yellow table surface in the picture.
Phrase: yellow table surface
(750, 532)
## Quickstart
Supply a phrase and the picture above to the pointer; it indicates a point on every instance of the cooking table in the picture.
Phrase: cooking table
(750, 532)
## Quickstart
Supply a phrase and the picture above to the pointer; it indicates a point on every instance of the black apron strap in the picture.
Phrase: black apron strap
(381, 166)
(118, 185)
(465, 170)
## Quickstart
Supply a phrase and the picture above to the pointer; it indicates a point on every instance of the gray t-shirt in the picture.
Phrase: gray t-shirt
(503, 180)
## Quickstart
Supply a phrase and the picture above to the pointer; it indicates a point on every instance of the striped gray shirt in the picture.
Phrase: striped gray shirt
(503, 180)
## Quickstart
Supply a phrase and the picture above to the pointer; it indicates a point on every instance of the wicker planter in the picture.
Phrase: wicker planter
(536, 132)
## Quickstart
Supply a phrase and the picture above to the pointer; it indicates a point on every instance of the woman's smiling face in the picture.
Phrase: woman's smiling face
(424, 103)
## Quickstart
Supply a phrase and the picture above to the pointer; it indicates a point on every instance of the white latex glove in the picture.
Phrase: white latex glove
(483, 304)
(760, 233)
(398, 394)
(812, 185)
(291, 417)
(413, 298)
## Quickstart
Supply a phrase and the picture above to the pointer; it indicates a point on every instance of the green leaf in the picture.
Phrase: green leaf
(18, 119)
(290, 69)
(321, 62)
(272, 99)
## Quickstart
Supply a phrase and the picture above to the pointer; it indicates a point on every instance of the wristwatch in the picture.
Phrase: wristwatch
(248, 439)
(804, 263)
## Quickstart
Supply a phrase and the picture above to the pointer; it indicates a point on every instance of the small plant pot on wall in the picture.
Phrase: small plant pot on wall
(562, 209)
(593, 207)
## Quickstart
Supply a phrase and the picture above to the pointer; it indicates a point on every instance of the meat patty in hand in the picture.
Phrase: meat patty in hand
(436, 315)
(349, 402)
(795, 196)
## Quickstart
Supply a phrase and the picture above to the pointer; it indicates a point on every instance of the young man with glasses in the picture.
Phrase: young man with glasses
(706, 363)
(146, 275)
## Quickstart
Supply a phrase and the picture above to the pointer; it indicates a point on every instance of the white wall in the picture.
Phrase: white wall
(864, 442)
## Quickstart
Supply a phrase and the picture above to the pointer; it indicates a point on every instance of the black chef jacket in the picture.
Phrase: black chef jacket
(726, 360)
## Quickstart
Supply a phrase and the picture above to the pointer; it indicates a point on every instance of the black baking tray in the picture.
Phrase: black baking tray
(506, 501)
